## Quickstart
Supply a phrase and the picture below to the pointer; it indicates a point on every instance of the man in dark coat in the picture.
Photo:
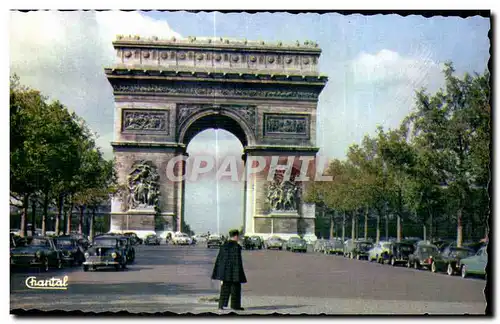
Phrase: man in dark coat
(228, 268)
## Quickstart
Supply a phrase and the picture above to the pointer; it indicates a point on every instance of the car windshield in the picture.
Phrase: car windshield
(296, 240)
(462, 253)
(365, 245)
(105, 242)
(151, 236)
(38, 242)
(428, 249)
(65, 242)
(405, 248)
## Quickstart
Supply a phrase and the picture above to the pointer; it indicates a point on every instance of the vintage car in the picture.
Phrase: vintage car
(474, 265)
(319, 245)
(333, 247)
(134, 239)
(380, 252)
(36, 251)
(296, 244)
(106, 250)
(129, 248)
(423, 256)
(214, 240)
(361, 249)
(181, 239)
(450, 257)
(400, 252)
(152, 239)
(252, 243)
(71, 250)
(274, 242)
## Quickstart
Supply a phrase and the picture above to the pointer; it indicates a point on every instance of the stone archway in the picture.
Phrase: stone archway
(167, 91)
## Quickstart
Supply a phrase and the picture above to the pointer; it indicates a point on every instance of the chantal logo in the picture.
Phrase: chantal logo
(52, 283)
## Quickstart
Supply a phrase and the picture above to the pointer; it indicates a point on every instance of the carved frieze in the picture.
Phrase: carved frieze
(144, 121)
(229, 90)
(283, 195)
(278, 124)
(246, 112)
(142, 188)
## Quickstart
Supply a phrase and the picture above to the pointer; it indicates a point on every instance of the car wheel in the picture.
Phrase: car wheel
(393, 262)
(124, 264)
(117, 267)
(85, 268)
(281, 248)
(433, 267)
(450, 271)
(464, 271)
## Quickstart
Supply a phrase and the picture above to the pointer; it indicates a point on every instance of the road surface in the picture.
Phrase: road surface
(177, 279)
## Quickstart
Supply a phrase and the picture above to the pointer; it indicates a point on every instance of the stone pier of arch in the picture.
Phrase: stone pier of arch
(167, 91)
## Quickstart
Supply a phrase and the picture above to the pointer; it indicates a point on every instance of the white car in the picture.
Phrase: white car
(380, 252)
(181, 239)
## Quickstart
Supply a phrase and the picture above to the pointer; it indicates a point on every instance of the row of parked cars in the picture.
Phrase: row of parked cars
(45, 252)
(436, 256)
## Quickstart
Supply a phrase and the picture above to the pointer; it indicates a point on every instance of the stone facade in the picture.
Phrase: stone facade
(166, 91)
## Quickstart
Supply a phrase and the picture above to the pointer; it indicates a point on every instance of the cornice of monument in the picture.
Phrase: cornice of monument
(217, 43)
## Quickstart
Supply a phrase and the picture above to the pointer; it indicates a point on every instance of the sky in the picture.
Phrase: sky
(374, 65)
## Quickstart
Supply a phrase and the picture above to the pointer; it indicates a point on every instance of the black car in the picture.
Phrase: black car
(129, 248)
(134, 239)
(423, 256)
(361, 249)
(71, 250)
(106, 250)
(450, 259)
(152, 239)
(252, 243)
(400, 253)
(36, 251)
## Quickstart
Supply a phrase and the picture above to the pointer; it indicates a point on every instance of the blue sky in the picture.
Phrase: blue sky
(374, 64)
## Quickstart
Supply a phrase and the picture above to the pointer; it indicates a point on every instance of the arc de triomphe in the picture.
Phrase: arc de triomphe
(167, 91)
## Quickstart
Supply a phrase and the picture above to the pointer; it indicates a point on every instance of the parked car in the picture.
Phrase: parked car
(296, 244)
(319, 245)
(274, 242)
(400, 253)
(107, 250)
(71, 250)
(152, 239)
(442, 244)
(423, 256)
(474, 265)
(134, 239)
(214, 240)
(36, 252)
(255, 242)
(450, 257)
(181, 239)
(333, 247)
(361, 249)
(380, 252)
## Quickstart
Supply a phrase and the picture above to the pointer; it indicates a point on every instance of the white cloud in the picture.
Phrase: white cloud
(370, 90)
(63, 54)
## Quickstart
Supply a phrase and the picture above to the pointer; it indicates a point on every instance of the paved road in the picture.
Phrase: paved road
(177, 279)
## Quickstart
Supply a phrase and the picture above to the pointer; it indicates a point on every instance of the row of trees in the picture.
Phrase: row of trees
(54, 161)
(434, 168)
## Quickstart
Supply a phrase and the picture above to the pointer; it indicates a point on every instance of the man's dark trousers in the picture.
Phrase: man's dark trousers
(232, 289)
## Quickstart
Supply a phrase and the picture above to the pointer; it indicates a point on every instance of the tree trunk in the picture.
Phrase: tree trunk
(67, 218)
(366, 224)
(425, 232)
(92, 221)
(459, 227)
(331, 226)
(343, 228)
(378, 228)
(353, 226)
(45, 212)
(80, 221)
(33, 217)
(60, 207)
(24, 216)
(398, 238)
(386, 227)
